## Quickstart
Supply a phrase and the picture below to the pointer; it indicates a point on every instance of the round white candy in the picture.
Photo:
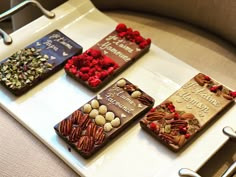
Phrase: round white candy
(95, 104)
(102, 109)
(115, 122)
(87, 108)
(100, 120)
(121, 83)
(108, 127)
(109, 116)
(136, 94)
(93, 113)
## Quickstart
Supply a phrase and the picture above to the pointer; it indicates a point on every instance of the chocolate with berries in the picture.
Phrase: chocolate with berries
(29, 66)
(101, 119)
(111, 55)
(191, 108)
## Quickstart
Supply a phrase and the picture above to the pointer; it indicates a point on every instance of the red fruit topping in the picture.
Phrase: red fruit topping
(133, 36)
(136, 33)
(187, 136)
(149, 41)
(233, 94)
(73, 70)
(85, 77)
(139, 39)
(215, 88)
(85, 69)
(67, 66)
(171, 107)
(143, 44)
(122, 34)
(94, 53)
(153, 126)
(207, 78)
(153, 110)
(183, 130)
(110, 70)
(176, 116)
(70, 61)
(121, 28)
(104, 74)
(94, 81)
(107, 62)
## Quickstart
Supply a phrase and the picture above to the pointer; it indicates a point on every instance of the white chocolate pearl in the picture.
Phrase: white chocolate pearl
(136, 94)
(108, 127)
(93, 113)
(115, 122)
(95, 104)
(87, 108)
(121, 83)
(109, 116)
(102, 109)
(100, 120)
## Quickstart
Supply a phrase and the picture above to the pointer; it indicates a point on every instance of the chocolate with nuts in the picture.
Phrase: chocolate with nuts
(105, 116)
(178, 119)
(29, 66)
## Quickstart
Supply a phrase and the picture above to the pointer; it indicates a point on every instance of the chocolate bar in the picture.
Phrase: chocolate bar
(181, 116)
(107, 58)
(38, 61)
(101, 119)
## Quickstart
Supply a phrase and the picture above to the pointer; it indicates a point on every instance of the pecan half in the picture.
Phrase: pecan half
(169, 116)
(75, 134)
(187, 116)
(151, 116)
(91, 129)
(76, 116)
(201, 79)
(65, 127)
(181, 140)
(146, 100)
(167, 138)
(228, 97)
(99, 136)
(84, 121)
(85, 144)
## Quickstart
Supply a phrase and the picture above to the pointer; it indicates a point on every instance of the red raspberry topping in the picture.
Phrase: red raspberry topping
(153, 126)
(131, 35)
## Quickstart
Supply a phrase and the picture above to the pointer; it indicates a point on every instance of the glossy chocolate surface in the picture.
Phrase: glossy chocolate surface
(187, 111)
(94, 133)
(120, 50)
(55, 48)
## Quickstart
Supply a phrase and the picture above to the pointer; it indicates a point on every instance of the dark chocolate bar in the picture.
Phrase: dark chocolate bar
(181, 116)
(107, 58)
(31, 65)
(105, 116)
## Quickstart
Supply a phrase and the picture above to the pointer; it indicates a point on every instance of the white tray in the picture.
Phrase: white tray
(134, 153)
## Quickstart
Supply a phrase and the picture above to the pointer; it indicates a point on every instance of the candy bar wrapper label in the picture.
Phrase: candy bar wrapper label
(31, 65)
(101, 119)
(175, 121)
(107, 58)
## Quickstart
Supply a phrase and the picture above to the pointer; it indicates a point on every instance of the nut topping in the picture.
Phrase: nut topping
(65, 127)
(23, 67)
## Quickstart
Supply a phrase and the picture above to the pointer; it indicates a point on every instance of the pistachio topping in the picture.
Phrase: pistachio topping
(23, 67)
